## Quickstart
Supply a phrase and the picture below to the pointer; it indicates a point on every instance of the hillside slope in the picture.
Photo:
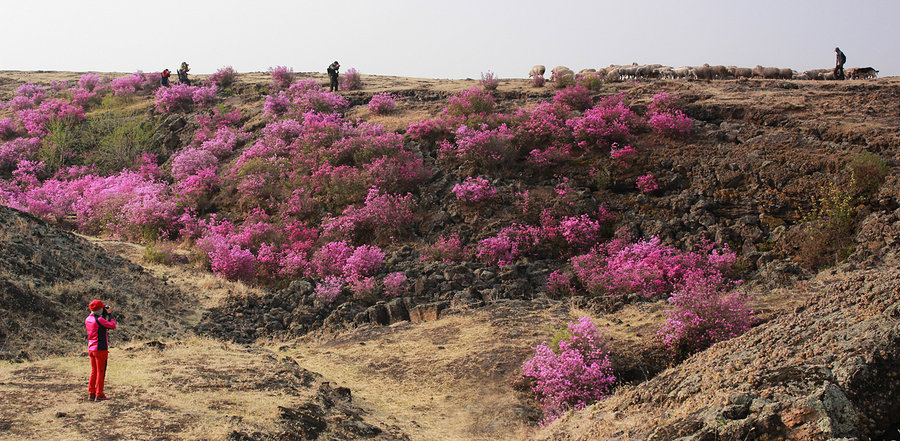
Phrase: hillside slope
(775, 170)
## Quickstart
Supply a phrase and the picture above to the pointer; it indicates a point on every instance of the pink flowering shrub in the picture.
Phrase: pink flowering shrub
(282, 77)
(59, 86)
(572, 375)
(446, 249)
(481, 146)
(309, 96)
(382, 103)
(89, 81)
(21, 103)
(148, 166)
(19, 149)
(216, 120)
(223, 141)
(662, 102)
(704, 311)
(395, 285)
(8, 128)
(191, 160)
(577, 97)
(538, 81)
(489, 81)
(127, 86)
(508, 245)
(366, 260)
(646, 183)
(646, 268)
(474, 190)
(175, 97)
(670, 124)
(433, 130)
(224, 77)
(351, 80)
(276, 105)
(84, 97)
(331, 258)
(329, 289)
(560, 284)
(470, 101)
(30, 90)
(622, 155)
(665, 119)
(382, 216)
(601, 126)
(204, 96)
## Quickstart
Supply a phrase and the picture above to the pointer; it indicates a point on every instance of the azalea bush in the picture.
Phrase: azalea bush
(382, 103)
(445, 248)
(482, 146)
(673, 124)
(489, 81)
(704, 310)
(572, 373)
(577, 97)
(470, 101)
(647, 268)
(474, 190)
(351, 80)
(282, 77)
(224, 77)
(646, 183)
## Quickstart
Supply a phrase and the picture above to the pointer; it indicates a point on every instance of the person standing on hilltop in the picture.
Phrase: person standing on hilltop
(183, 74)
(333, 75)
(97, 324)
(839, 64)
(164, 77)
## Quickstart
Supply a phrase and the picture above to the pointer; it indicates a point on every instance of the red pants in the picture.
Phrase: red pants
(98, 372)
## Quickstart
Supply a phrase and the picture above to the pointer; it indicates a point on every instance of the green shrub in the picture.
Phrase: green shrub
(868, 172)
(119, 140)
(828, 229)
(160, 252)
(60, 145)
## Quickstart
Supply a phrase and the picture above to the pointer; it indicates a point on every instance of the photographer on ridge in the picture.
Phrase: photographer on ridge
(97, 324)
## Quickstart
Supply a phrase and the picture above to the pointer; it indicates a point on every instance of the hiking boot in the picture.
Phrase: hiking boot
(92, 397)
(101, 398)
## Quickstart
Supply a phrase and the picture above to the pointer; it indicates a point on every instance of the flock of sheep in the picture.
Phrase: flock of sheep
(704, 72)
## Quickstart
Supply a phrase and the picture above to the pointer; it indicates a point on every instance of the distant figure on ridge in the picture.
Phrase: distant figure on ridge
(183, 74)
(333, 75)
(164, 78)
(97, 324)
(839, 65)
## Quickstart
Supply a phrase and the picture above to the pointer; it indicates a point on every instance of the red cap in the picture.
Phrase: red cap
(96, 305)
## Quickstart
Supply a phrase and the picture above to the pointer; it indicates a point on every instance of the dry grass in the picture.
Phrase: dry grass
(450, 379)
(196, 389)
(208, 289)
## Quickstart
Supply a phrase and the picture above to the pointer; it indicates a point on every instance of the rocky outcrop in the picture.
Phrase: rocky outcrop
(829, 370)
(47, 278)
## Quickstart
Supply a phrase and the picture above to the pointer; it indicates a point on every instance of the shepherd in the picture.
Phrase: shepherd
(839, 64)
(97, 324)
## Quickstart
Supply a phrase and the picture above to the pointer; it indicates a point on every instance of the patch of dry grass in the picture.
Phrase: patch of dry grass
(195, 389)
(450, 379)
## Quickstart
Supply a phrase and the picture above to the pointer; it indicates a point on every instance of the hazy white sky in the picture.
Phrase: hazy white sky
(443, 39)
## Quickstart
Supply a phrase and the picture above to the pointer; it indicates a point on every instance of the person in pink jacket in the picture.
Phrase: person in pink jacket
(97, 324)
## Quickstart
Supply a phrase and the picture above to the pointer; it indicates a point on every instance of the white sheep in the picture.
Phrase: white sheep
(538, 69)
